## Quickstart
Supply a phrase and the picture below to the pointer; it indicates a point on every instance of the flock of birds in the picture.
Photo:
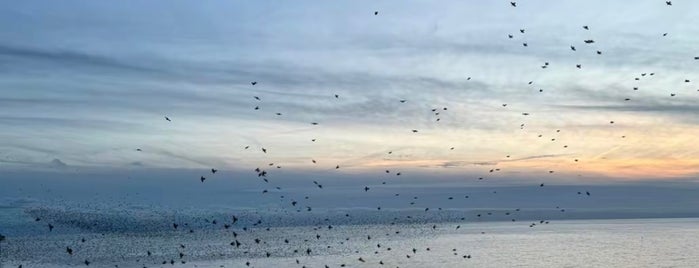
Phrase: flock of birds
(238, 233)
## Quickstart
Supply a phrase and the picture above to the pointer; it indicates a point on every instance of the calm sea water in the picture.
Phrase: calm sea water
(574, 243)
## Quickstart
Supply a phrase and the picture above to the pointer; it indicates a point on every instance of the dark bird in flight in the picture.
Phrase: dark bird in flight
(669, 3)
(253, 83)
(514, 4)
(589, 41)
(69, 251)
(213, 171)
(168, 119)
(376, 13)
(585, 27)
(202, 179)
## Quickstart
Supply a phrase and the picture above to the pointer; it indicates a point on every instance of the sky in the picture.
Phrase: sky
(83, 84)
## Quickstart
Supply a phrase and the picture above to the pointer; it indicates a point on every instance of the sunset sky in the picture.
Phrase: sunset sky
(85, 83)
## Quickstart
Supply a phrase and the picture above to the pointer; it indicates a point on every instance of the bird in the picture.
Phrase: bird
(168, 119)
(202, 179)
(514, 4)
(213, 171)
(253, 83)
(376, 13)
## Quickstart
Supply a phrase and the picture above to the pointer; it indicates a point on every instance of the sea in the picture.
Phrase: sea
(198, 242)
(116, 222)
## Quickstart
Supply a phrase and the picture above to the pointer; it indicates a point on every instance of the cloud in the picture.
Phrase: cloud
(65, 59)
(449, 164)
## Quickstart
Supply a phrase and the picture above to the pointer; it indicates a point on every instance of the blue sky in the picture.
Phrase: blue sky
(85, 83)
